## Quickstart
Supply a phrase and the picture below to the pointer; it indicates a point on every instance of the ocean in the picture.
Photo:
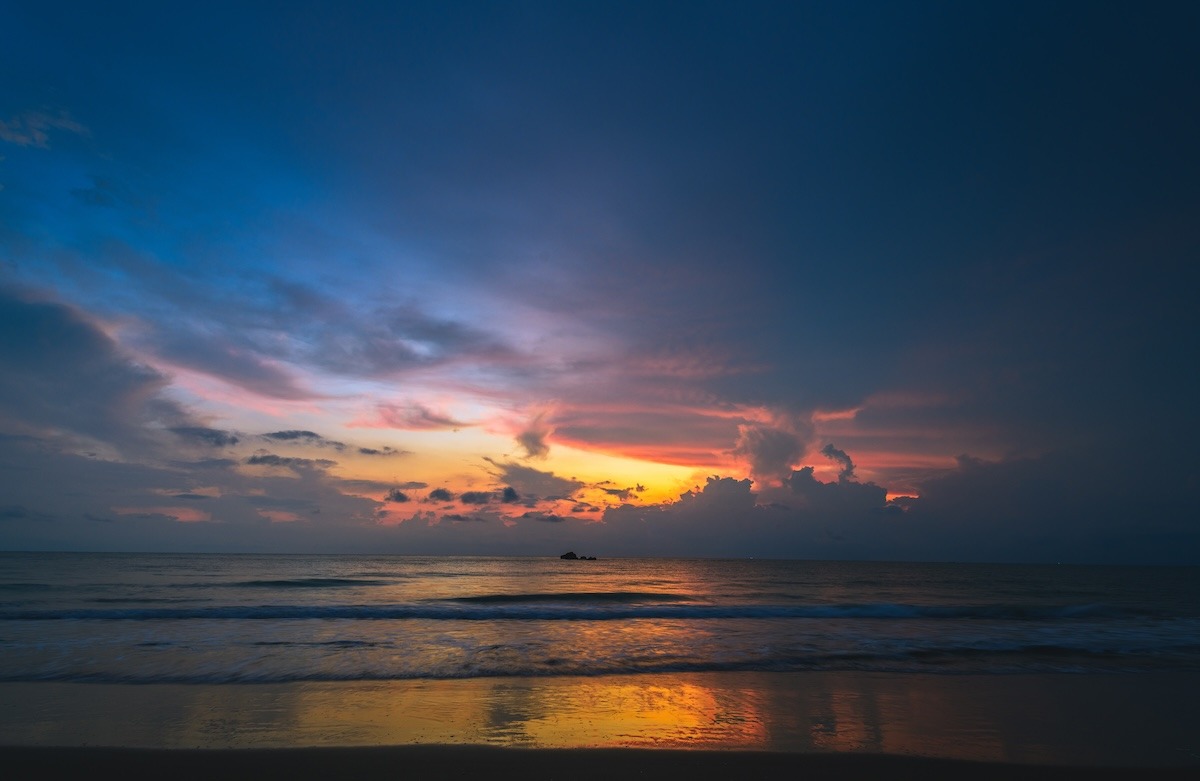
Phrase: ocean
(252, 619)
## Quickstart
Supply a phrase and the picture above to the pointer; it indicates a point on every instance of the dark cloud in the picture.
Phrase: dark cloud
(835, 500)
(533, 483)
(385, 451)
(532, 438)
(263, 458)
(396, 495)
(543, 517)
(832, 453)
(224, 358)
(459, 518)
(205, 464)
(440, 495)
(207, 436)
(624, 494)
(771, 450)
(305, 437)
(19, 512)
(509, 495)
(475, 497)
(388, 341)
(59, 373)
(286, 436)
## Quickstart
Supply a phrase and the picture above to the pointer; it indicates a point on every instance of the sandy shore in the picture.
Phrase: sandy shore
(473, 762)
(642, 725)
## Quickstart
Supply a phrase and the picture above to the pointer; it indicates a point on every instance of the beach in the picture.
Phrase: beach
(473, 762)
(302, 666)
(698, 725)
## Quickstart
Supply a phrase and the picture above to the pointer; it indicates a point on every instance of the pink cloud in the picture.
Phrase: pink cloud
(408, 416)
(181, 514)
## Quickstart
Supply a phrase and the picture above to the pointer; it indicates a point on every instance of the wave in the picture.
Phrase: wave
(310, 583)
(572, 597)
(590, 608)
(1019, 659)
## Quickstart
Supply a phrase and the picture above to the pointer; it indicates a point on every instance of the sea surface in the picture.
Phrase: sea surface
(230, 619)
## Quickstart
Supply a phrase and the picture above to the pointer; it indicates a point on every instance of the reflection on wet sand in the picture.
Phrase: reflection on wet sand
(1133, 720)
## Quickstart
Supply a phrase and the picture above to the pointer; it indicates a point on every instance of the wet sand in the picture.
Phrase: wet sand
(703, 725)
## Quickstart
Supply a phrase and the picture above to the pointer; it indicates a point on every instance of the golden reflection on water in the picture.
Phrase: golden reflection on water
(546, 713)
(1050, 719)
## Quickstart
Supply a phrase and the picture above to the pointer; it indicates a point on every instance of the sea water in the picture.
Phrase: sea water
(233, 619)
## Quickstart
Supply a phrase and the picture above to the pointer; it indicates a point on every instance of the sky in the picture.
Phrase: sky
(844, 280)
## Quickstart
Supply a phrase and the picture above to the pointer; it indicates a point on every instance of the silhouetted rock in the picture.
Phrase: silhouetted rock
(569, 555)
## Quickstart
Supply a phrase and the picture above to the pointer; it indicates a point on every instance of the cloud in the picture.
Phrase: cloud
(13, 512)
(207, 436)
(393, 340)
(475, 497)
(772, 449)
(534, 483)
(225, 359)
(30, 128)
(543, 517)
(835, 500)
(263, 458)
(412, 416)
(831, 452)
(532, 438)
(509, 495)
(60, 375)
(441, 495)
(385, 451)
(305, 437)
(397, 496)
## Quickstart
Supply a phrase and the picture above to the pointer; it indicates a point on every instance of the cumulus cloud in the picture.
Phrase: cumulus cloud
(771, 450)
(834, 500)
(475, 497)
(441, 495)
(397, 496)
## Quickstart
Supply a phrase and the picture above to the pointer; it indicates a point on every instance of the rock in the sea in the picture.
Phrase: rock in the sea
(569, 555)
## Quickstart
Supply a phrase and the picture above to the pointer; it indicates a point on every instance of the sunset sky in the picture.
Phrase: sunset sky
(898, 280)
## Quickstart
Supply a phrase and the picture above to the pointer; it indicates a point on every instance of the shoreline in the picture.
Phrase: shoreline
(1134, 720)
(579, 764)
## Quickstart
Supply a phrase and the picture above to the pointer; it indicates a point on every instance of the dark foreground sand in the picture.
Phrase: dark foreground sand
(808, 726)
(474, 762)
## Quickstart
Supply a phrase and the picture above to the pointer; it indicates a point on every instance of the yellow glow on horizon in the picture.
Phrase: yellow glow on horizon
(661, 481)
